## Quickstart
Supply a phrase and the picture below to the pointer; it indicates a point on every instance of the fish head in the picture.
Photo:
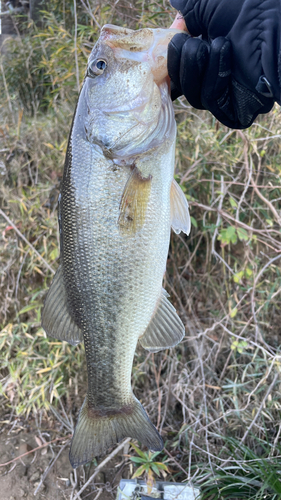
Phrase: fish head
(147, 47)
(125, 85)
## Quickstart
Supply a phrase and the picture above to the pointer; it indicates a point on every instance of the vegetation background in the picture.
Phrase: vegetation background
(215, 397)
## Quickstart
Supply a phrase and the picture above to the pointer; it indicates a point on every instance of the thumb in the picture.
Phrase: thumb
(179, 23)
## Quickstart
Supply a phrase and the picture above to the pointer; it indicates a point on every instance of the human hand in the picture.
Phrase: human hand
(232, 69)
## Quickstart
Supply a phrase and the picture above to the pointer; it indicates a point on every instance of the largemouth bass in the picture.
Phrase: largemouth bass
(118, 204)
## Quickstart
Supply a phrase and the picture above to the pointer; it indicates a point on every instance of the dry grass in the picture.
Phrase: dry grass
(224, 279)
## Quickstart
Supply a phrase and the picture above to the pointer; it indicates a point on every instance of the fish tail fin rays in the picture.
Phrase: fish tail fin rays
(98, 430)
(165, 328)
(179, 210)
(56, 319)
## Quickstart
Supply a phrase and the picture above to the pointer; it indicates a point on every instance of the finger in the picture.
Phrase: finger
(179, 23)
(175, 92)
(191, 11)
(219, 69)
(194, 60)
(174, 59)
(217, 91)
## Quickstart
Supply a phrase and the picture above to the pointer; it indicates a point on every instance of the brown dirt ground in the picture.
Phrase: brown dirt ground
(19, 479)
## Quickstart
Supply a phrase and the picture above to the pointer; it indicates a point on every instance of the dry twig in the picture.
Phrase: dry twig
(35, 449)
(101, 466)
(26, 241)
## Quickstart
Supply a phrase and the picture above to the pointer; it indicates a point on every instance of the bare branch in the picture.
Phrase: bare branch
(26, 241)
(101, 465)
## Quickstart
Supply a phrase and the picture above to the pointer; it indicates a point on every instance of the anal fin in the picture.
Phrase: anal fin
(180, 219)
(134, 202)
(56, 319)
(165, 328)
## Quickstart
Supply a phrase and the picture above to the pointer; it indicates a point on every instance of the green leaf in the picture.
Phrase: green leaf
(139, 452)
(155, 469)
(160, 465)
(248, 272)
(238, 277)
(154, 455)
(54, 254)
(228, 235)
(233, 203)
(138, 460)
(29, 307)
(193, 221)
(233, 312)
(139, 471)
(242, 234)
(231, 234)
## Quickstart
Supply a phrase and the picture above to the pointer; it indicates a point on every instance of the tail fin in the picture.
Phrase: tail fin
(98, 430)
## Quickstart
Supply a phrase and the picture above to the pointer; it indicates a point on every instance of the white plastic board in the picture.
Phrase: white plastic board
(172, 491)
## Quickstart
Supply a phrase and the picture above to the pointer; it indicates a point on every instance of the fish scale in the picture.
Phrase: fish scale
(118, 203)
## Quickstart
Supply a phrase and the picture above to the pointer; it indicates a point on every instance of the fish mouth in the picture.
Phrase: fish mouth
(144, 45)
(111, 29)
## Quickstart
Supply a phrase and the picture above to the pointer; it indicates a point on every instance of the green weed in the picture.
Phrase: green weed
(253, 474)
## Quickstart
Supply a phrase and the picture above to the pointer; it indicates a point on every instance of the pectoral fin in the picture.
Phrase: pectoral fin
(56, 319)
(180, 219)
(134, 202)
(165, 328)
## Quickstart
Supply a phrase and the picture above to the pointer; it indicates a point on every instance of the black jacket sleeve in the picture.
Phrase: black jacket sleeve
(231, 65)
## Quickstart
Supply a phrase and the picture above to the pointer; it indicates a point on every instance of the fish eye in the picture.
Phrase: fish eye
(101, 64)
(96, 68)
